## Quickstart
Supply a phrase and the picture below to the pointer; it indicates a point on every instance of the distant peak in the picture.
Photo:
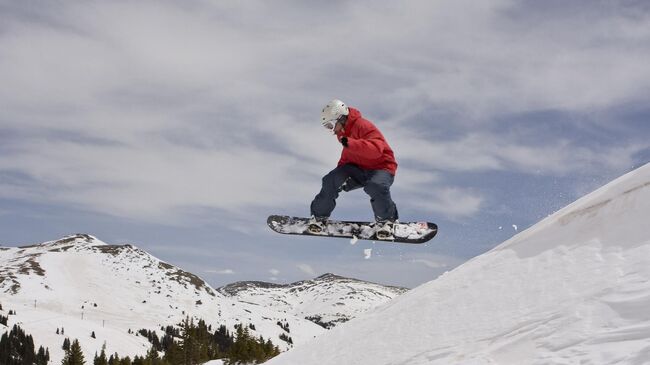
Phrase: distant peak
(79, 238)
(329, 276)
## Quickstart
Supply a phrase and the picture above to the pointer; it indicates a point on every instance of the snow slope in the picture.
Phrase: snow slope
(329, 299)
(573, 289)
(83, 285)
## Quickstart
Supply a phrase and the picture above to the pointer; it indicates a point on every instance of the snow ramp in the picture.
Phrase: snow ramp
(572, 289)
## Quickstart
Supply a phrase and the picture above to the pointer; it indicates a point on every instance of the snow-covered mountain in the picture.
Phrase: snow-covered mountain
(82, 285)
(573, 289)
(327, 300)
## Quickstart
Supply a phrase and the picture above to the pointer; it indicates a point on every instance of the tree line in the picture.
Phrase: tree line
(194, 343)
(17, 348)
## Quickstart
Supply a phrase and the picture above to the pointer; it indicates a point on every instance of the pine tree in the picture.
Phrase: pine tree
(195, 344)
(74, 356)
(174, 354)
(154, 359)
(223, 340)
(241, 349)
(167, 341)
(101, 359)
(152, 354)
(286, 338)
(43, 356)
(5, 348)
(17, 348)
(189, 343)
(198, 348)
(114, 359)
(66, 344)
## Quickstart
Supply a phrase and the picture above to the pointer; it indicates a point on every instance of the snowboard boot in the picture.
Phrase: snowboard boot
(384, 230)
(317, 224)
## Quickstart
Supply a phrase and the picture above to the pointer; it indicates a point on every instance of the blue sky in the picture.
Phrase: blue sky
(180, 126)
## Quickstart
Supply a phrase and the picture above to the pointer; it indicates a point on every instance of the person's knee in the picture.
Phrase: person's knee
(375, 189)
(331, 184)
(335, 180)
(330, 178)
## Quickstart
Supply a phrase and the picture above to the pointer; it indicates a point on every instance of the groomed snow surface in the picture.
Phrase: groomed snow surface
(573, 289)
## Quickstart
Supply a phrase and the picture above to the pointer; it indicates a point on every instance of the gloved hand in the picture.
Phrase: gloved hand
(344, 141)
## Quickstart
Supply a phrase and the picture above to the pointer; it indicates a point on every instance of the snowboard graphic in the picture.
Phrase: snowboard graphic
(404, 232)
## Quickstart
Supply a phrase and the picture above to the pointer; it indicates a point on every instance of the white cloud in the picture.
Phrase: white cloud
(215, 105)
(307, 269)
(449, 201)
(482, 152)
(434, 264)
(274, 272)
(221, 272)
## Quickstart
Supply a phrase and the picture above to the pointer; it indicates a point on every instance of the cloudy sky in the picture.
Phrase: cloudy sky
(179, 126)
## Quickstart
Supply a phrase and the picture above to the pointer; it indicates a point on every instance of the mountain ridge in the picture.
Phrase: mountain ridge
(327, 300)
(85, 285)
(232, 288)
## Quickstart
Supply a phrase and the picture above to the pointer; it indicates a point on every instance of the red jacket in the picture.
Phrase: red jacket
(367, 147)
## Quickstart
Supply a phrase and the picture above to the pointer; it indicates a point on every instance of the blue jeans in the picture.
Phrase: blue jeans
(376, 183)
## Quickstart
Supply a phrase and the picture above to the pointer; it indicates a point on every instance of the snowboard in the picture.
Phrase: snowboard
(404, 232)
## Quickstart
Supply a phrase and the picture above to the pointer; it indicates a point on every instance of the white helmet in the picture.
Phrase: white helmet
(332, 112)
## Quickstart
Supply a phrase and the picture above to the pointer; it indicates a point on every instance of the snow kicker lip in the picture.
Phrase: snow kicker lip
(404, 232)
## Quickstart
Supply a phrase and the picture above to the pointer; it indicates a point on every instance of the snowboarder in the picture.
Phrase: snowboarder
(366, 161)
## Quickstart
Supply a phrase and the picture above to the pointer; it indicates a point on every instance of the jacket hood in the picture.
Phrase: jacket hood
(354, 113)
(353, 116)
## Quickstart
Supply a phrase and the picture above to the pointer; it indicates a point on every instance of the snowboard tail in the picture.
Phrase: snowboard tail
(403, 232)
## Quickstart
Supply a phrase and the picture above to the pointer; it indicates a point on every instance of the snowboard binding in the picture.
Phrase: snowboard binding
(317, 224)
(384, 230)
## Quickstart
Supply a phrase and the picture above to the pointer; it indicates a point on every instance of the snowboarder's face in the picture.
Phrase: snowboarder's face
(340, 124)
(338, 127)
